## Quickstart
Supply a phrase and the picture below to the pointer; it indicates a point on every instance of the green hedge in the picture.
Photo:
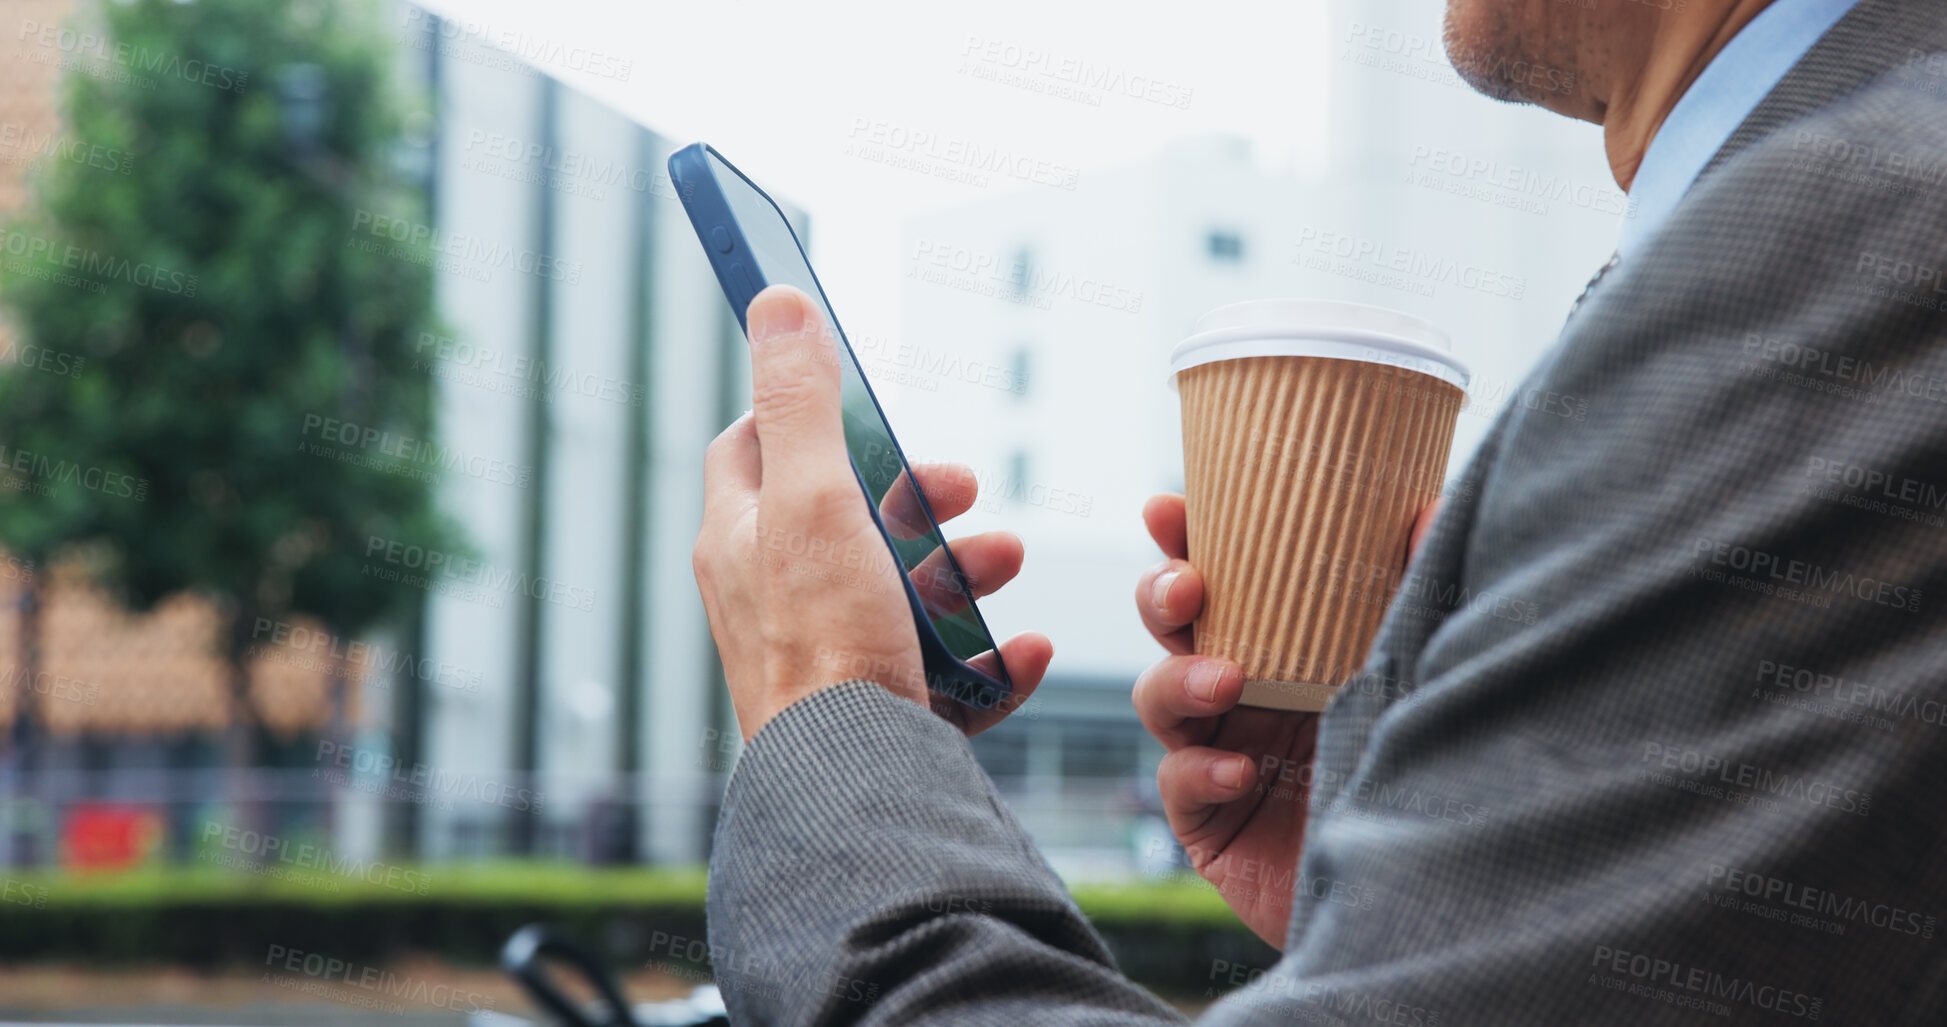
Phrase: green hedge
(1168, 935)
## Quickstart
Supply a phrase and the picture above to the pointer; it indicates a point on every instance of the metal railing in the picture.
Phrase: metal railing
(1089, 827)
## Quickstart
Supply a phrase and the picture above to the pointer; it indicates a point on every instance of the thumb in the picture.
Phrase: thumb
(794, 390)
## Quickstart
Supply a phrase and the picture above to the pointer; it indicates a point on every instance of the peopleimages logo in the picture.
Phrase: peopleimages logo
(308, 856)
(30, 148)
(50, 685)
(42, 469)
(1871, 161)
(880, 357)
(377, 984)
(1878, 699)
(1418, 594)
(21, 893)
(40, 358)
(885, 141)
(1772, 569)
(437, 567)
(420, 778)
(1820, 901)
(1701, 766)
(348, 438)
(937, 262)
(526, 46)
(1246, 877)
(1089, 78)
(1908, 281)
(134, 57)
(1402, 267)
(1870, 379)
(1702, 983)
(321, 651)
(517, 373)
(1536, 187)
(463, 255)
(583, 174)
(1363, 797)
(34, 254)
(1304, 1000)
(1877, 491)
(1424, 57)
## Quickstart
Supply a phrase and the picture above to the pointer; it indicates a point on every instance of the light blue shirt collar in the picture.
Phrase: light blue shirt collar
(1748, 68)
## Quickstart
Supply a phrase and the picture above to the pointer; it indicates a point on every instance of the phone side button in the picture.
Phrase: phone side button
(742, 275)
(720, 238)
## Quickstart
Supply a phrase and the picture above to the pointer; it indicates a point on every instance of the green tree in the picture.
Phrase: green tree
(196, 305)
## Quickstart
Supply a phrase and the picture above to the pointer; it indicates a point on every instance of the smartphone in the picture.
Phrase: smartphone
(751, 245)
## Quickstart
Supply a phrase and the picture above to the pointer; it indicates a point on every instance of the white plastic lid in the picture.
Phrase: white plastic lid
(1319, 328)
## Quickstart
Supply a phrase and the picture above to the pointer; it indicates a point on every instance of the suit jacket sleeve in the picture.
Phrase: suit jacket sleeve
(865, 872)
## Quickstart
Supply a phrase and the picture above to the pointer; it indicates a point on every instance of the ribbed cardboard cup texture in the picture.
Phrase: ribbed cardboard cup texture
(1314, 433)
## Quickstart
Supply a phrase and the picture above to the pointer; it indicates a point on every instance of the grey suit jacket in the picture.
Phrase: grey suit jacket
(1652, 731)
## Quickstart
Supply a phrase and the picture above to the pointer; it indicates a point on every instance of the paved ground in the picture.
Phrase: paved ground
(418, 993)
(423, 993)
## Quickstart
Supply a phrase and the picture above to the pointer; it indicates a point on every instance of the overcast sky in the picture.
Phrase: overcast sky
(781, 88)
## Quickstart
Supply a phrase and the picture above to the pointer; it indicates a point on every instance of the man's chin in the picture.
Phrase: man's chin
(1480, 37)
(1490, 85)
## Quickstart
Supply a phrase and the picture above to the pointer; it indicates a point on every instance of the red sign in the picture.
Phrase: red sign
(106, 836)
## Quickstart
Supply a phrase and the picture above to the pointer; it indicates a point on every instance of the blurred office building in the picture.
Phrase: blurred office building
(113, 719)
(1041, 322)
(562, 699)
(590, 358)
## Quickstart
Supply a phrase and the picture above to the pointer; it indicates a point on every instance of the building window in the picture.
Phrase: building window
(1004, 754)
(1225, 246)
(1099, 750)
(1021, 272)
(1017, 383)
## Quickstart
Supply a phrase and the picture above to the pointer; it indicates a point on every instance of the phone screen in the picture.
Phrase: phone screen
(881, 466)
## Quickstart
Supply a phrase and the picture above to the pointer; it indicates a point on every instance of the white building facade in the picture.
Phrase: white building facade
(1035, 329)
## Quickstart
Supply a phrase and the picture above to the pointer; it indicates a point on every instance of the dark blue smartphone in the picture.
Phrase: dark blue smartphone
(751, 245)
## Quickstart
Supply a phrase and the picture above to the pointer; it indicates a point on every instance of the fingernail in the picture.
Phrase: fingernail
(777, 315)
(1228, 774)
(1160, 591)
(1204, 679)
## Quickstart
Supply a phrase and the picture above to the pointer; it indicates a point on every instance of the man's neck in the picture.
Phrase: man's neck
(1674, 49)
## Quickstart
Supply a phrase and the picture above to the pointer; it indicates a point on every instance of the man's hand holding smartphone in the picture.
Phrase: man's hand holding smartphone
(802, 594)
(1236, 783)
(798, 584)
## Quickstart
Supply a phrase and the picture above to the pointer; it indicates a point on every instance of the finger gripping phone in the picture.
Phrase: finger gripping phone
(751, 246)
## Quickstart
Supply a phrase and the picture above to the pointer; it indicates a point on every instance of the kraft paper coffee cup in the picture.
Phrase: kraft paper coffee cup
(1314, 433)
